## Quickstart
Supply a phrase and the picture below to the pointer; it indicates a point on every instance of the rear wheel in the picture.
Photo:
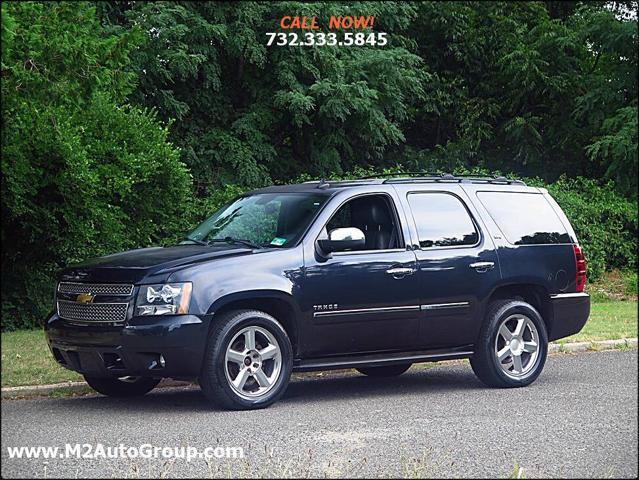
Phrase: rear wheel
(385, 371)
(123, 386)
(248, 361)
(512, 346)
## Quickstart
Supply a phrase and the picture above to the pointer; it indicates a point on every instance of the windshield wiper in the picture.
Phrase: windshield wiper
(194, 240)
(237, 241)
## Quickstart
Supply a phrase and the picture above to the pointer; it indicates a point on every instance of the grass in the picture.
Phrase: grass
(614, 285)
(608, 321)
(26, 359)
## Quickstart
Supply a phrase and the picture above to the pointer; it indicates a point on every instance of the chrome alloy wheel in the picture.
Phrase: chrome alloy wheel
(517, 346)
(253, 362)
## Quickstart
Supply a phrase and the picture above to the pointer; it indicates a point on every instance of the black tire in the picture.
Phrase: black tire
(114, 387)
(213, 378)
(484, 361)
(385, 371)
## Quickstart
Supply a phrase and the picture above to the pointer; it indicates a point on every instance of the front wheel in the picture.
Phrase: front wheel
(512, 346)
(123, 386)
(248, 361)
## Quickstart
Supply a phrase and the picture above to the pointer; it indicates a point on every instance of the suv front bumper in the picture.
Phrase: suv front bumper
(160, 346)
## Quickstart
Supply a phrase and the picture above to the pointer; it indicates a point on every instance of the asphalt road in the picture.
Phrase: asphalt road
(579, 419)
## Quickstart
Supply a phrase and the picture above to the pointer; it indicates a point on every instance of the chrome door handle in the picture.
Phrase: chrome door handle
(482, 267)
(399, 272)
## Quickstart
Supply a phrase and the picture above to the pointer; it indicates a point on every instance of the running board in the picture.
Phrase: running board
(381, 359)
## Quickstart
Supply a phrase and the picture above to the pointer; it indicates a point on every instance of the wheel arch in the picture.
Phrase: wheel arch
(535, 294)
(279, 305)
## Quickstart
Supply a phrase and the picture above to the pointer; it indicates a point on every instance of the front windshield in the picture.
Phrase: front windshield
(265, 219)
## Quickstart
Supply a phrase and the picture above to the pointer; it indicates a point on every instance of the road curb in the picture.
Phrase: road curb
(81, 387)
(592, 346)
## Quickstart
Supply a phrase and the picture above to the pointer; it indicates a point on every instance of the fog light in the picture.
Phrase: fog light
(162, 361)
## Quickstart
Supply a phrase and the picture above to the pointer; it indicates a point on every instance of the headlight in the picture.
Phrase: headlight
(167, 299)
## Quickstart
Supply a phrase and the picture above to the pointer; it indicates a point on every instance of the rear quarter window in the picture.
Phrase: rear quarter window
(525, 218)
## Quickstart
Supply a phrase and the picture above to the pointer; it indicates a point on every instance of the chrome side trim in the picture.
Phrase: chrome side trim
(362, 311)
(557, 296)
(442, 306)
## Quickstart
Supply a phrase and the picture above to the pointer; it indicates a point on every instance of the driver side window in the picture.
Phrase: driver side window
(374, 216)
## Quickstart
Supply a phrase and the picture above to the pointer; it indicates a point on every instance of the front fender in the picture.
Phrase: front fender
(246, 295)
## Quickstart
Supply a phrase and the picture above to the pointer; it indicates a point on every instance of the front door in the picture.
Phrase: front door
(368, 300)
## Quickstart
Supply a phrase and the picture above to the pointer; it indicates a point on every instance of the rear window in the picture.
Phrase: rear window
(524, 218)
(442, 220)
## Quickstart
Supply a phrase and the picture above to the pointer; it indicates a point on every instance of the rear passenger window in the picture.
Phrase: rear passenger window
(525, 218)
(442, 220)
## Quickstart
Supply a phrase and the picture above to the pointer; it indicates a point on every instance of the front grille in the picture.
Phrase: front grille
(115, 289)
(92, 312)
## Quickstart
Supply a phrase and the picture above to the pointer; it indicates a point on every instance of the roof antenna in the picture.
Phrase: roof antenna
(323, 184)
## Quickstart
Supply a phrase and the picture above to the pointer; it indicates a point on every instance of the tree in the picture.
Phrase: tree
(538, 88)
(608, 106)
(248, 113)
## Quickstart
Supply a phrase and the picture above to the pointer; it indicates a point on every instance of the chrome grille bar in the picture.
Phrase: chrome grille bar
(114, 289)
(92, 312)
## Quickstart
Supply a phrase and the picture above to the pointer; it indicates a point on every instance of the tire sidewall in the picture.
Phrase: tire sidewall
(237, 323)
(504, 312)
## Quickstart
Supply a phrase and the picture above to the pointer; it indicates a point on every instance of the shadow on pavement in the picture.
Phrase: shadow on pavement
(328, 387)
(423, 382)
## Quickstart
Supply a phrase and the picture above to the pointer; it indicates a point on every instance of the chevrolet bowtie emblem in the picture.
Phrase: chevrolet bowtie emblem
(84, 298)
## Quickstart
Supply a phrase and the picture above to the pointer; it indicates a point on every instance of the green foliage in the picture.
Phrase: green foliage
(7, 27)
(630, 283)
(608, 104)
(617, 148)
(251, 114)
(538, 88)
(82, 174)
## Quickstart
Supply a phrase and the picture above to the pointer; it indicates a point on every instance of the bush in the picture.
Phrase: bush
(630, 283)
(604, 221)
(82, 173)
(116, 185)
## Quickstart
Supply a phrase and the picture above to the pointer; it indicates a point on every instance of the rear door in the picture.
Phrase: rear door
(456, 260)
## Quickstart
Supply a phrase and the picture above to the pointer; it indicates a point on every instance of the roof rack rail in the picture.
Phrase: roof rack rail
(323, 183)
(395, 174)
(424, 177)
(445, 177)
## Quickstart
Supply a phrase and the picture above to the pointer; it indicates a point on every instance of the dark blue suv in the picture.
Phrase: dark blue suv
(372, 274)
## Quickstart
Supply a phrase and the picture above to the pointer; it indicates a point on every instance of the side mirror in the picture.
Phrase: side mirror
(342, 239)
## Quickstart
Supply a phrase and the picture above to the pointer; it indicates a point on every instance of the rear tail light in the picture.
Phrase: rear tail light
(580, 261)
